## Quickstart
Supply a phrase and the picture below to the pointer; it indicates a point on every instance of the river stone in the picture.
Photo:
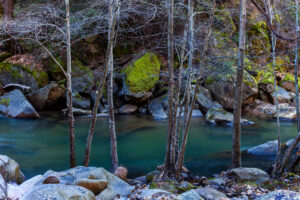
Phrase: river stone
(59, 192)
(81, 102)
(115, 187)
(128, 109)
(205, 100)
(283, 96)
(91, 178)
(151, 193)
(190, 195)
(217, 116)
(282, 195)
(78, 112)
(249, 175)
(268, 148)
(10, 170)
(15, 105)
(46, 97)
(17, 191)
(157, 109)
(210, 194)
(3, 190)
(217, 181)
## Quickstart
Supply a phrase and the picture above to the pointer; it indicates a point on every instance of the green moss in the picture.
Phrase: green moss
(5, 102)
(265, 77)
(209, 80)
(225, 22)
(11, 68)
(153, 185)
(142, 75)
(186, 187)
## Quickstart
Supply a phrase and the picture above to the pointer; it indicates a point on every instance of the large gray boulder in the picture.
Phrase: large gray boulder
(157, 107)
(249, 175)
(115, 187)
(46, 97)
(81, 101)
(205, 100)
(190, 195)
(281, 195)
(15, 105)
(283, 96)
(217, 116)
(59, 192)
(210, 194)
(268, 148)
(10, 170)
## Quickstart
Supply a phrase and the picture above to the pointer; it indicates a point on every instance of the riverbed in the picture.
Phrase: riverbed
(42, 144)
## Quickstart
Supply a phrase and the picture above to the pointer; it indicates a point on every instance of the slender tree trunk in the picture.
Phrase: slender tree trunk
(190, 107)
(170, 149)
(111, 37)
(296, 65)
(110, 82)
(69, 90)
(236, 146)
(8, 6)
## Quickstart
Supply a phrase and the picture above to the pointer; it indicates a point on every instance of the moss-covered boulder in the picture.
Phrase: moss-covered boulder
(288, 82)
(140, 78)
(22, 74)
(82, 78)
(222, 88)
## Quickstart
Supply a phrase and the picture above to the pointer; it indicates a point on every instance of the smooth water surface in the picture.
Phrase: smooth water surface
(39, 145)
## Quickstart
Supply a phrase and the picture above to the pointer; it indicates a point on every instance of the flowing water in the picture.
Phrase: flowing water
(42, 144)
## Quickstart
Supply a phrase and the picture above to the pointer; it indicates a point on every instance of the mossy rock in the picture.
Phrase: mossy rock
(16, 73)
(288, 82)
(82, 78)
(224, 22)
(265, 77)
(143, 74)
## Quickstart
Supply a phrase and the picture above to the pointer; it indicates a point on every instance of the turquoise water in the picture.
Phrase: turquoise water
(39, 145)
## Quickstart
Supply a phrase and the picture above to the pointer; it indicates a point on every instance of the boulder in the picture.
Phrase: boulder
(210, 194)
(157, 109)
(195, 113)
(268, 148)
(150, 194)
(281, 194)
(78, 112)
(190, 195)
(115, 187)
(217, 181)
(288, 82)
(46, 97)
(140, 78)
(218, 116)
(205, 100)
(283, 96)
(128, 109)
(222, 88)
(92, 178)
(3, 190)
(59, 192)
(10, 170)
(249, 175)
(81, 101)
(82, 78)
(24, 70)
(15, 105)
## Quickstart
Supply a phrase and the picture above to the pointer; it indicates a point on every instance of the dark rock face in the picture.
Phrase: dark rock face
(81, 102)
(205, 100)
(46, 97)
(15, 105)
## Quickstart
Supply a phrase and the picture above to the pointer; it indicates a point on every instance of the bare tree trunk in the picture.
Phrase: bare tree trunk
(236, 137)
(170, 149)
(190, 107)
(9, 6)
(296, 66)
(111, 37)
(110, 82)
(69, 90)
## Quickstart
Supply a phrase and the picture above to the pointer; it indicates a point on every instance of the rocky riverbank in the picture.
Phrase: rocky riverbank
(96, 183)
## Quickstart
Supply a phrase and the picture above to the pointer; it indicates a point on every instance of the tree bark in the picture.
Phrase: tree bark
(111, 36)
(69, 90)
(112, 128)
(236, 146)
(296, 65)
(8, 6)
(170, 149)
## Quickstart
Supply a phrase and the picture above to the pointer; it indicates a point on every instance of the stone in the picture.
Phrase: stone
(51, 180)
(46, 97)
(81, 101)
(217, 116)
(268, 148)
(151, 193)
(10, 170)
(3, 189)
(268, 88)
(151, 175)
(195, 113)
(283, 96)
(210, 194)
(217, 181)
(249, 175)
(140, 78)
(59, 192)
(82, 78)
(205, 100)
(281, 194)
(15, 105)
(156, 108)
(128, 109)
(78, 112)
(190, 195)
(116, 186)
